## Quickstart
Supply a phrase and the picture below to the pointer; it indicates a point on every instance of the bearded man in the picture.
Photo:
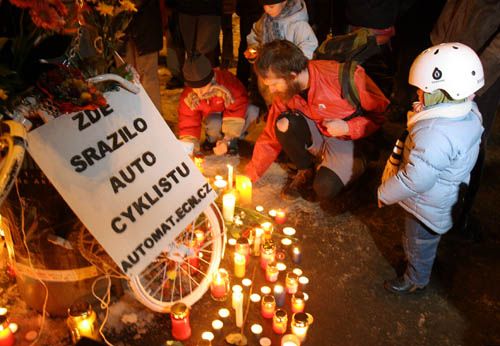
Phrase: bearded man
(312, 122)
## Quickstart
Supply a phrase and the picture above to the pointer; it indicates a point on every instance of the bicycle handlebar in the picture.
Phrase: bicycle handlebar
(115, 78)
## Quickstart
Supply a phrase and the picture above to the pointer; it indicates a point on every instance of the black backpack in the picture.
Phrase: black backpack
(350, 50)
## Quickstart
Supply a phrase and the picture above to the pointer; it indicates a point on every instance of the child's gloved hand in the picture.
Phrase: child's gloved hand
(221, 147)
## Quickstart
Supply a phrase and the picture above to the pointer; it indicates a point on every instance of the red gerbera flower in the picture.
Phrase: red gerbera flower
(49, 15)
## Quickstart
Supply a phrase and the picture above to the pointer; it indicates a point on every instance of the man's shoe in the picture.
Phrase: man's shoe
(301, 183)
(401, 286)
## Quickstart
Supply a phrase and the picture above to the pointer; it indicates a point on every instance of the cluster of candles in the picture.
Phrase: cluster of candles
(260, 244)
(271, 301)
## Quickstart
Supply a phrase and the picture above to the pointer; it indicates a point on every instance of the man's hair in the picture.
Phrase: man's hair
(281, 57)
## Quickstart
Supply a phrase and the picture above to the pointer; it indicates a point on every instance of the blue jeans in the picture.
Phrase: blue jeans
(420, 244)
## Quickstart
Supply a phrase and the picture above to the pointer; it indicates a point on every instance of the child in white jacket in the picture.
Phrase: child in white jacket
(428, 168)
(282, 20)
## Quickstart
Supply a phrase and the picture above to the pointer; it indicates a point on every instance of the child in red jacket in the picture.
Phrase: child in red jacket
(216, 100)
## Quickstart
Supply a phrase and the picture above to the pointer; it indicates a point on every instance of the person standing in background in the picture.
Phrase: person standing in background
(475, 23)
(249, 12)
(144, 41)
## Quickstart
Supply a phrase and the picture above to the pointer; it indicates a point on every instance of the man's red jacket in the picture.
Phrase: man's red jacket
(324, 102)
(190, 120)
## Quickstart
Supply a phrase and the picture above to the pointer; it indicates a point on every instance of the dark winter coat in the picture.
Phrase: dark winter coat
(145, 29)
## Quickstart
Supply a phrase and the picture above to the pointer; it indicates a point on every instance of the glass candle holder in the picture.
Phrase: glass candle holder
(82, 322)
(257, 240)
(280, 217)
(268, 305)
(291, 283)
(243, 247)
(272, 272)
(300, 325)
(279, 295)
(7, 338)
(267, 253)
(239, 265)
(219, 287)
(268, 230)
(298, 302)
(280, 321)
(181, 327)
(296, 255)
(228, 204)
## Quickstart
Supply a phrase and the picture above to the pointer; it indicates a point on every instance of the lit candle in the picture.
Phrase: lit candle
(181, 328)
(257, 240)
(259, 208)
(229, 177)
(198, 161)
(256, 330)
(303, 281)
(209, 336)
(286, 241)
(280, 321)
(272, 272)
(237, 302)
(231, 241)
(299, 325)
(255, 297)
(268, 305)
(298, 302)
(265, 341)
(272, 213)
(82, 322)
(219, 287)
(289, 231)
(217, 326)
(244, 188)
(200, 236)
(267, 253)
(296, 255)
(239, 265)
(224, 313)
(268, 229)
(290, 340)
(220, 185)
(281, 266)
(280, 217)
(246, 282)
(279, 295)
(6, 335)
(298, 271)
(291, 283)
(228, 204)
(265, 290)
(243, 247)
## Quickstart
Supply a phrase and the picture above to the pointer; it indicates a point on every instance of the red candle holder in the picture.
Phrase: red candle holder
(280, 321)
(280, 217)
(268, 305)
(181, 327)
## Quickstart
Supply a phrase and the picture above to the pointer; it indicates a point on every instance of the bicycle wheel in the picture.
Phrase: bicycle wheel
(12, 148)
(183, 272)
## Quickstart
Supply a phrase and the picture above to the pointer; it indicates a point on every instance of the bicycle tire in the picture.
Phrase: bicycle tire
(145, 286)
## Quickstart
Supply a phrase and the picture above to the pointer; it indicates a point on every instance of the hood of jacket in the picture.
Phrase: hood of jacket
(295, 10)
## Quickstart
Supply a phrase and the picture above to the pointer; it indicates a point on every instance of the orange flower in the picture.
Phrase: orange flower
(47, 18)
(105, 10)
(128, 5)
(3, 95)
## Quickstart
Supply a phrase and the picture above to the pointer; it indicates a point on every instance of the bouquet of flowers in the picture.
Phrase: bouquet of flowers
(107, 21)
(67, 90)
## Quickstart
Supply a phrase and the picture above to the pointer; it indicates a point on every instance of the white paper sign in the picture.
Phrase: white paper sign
(124, 174)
